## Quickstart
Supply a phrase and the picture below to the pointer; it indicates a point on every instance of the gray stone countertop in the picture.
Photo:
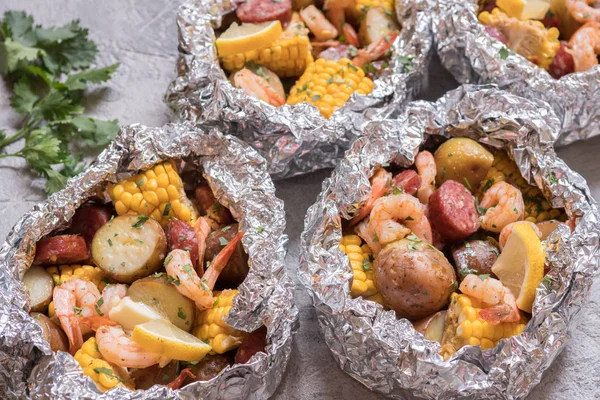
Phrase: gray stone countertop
(142, 37)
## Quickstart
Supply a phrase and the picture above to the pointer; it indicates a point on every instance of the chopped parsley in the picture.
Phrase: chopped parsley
(139, 241)
(108, 372)
(552, 179)
(167, 210)
(77, 310)
(180, 313)
(409, 218)
(413, 238)
(260, 229)
(110, 242)
(141, 220)
(406, 63)
(467, 183)
(411, 246)
(398, 191)
(483, 277)
(168, 260)
(375, 239)
(216, 302)
(97, 306)
(366, 266)
(228, 227)
(188, 269)
(223, 241)
(504, 53)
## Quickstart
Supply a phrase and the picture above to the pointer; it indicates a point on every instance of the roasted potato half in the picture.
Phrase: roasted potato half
(52, 332)
(39, 284)
(375, 25)
(129, 247)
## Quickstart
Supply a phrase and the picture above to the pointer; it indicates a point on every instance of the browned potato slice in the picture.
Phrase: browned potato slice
(129, 247)
(39, 284)
(155, 292)
(375, 25)
(52, 332)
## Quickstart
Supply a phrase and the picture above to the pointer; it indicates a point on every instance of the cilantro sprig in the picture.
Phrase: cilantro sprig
(49, 70)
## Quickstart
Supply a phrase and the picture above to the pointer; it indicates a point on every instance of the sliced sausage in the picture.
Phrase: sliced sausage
(408, 180)
(475, 257)
(255, 11)
(62, 249)
(452, 212)
(87, 220)
(252, 344)
(563, 63)
(237, 267)
(208, 205)
(181, 235)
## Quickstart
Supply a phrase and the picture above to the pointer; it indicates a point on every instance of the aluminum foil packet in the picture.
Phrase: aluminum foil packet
(238, 176)
(385, 353)
(473, 56)
(295, 139)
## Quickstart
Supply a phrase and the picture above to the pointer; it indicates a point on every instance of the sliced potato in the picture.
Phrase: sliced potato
(161, 296)
(52, 332)
(547, 227)
(375, 25)
(432, 327)
(129, 247)
(39, 284)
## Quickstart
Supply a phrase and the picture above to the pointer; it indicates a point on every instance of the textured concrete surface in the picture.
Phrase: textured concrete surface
(142, 36)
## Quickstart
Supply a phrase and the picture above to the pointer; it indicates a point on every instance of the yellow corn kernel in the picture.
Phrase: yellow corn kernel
(465, 327)
(345, 76)
(102, 373)
(64, 273)
(210, 325)
(157, 193)
(363, 284)
(362, 6)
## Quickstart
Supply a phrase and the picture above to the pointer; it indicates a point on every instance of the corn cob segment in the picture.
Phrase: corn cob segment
(288, 56)
(362, 268)
(465, 327)
(157, 193)
(212, 328)
(101, 372)
(362, 6)
(537, 208)
(329, 84)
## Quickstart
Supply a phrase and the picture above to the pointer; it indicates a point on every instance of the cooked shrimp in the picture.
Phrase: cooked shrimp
(118, 348)
(257, 86)
(375, 50)
(425, 164)
(504, 204)
(380, 181)
(583, 10)
(507, 230)
(202, 229)
(585, 46)
(179, 266)
(350, 35)
(111, 296)
(502, 304)
(363, 230)
(395, 216)
(74, 299)
(318, 24)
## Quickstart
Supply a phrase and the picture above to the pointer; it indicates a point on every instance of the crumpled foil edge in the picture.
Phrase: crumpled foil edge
(472, 56)
(295, 139)
(237, 174)
(385, 353)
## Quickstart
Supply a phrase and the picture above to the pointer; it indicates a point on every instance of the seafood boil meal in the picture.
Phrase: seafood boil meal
(319, 52)
(138, 290)
(454, 244)
(560, 36)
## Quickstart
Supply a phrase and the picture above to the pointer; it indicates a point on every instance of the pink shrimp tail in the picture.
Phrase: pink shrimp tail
(378, 189)
(202, 229)
(65, 300)
(96, 322)
(499, 313)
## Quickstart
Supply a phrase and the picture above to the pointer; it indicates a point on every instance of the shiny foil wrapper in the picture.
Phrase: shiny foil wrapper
(238, 176)
(295, 139)
(472, 56)
(384, 352)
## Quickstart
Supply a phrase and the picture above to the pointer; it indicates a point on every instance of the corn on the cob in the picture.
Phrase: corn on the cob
(465, 327)
(362, 6)
(157, 192)
(541, 44)
(362, 268)
(211, 327)
(537, 208)
(101, 372)
(288, 56)
(328, 85)
(63, 273)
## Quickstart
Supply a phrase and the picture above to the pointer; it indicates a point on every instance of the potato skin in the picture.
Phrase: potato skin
(475, 257)
(129, 248)
(462, 159)
(52, 332)
(237, 268)
(414, 279)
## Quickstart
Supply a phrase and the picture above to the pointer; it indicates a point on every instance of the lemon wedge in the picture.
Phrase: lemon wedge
(524, 9)
(247, 37)
(162, 337)
(520, 266)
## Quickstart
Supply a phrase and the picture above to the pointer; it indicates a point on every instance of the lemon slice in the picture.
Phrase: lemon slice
(246, 37)
(162, 337)
(520, 266)
(524, 9)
